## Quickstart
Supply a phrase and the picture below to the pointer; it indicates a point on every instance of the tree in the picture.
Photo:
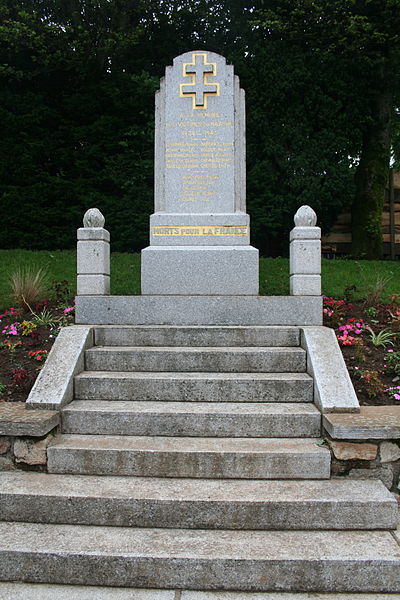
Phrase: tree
(77, 121)
(77, 90)
(364, 37)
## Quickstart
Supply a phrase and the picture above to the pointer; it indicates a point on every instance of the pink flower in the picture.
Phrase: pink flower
(390, 350)
(11, 329)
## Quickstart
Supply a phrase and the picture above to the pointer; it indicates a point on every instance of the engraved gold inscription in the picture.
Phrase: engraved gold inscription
(199, 230)
(186, 155)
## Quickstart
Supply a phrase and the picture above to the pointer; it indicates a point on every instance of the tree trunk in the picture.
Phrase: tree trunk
(372, 176)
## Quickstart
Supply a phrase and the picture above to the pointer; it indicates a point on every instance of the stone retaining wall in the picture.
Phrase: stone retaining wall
(372, 460)
(366, 445)
(25, 435)
(24, 452)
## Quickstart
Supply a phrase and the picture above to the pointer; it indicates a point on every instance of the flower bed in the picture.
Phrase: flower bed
(369, 337)
(26, 337)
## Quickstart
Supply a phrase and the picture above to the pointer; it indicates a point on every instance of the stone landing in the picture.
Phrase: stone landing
(199, 310)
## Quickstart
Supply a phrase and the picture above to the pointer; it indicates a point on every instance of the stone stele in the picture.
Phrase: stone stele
(199, 232)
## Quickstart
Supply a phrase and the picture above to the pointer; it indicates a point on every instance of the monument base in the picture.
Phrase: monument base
(200, 270)
(199, 310)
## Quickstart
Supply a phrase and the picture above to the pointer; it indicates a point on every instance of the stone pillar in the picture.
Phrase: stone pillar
(93, 256)
(305, 254)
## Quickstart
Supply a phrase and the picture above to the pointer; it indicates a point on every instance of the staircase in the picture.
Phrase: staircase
(190, 458)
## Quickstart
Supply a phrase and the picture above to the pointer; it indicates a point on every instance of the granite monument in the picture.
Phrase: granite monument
(199, 232)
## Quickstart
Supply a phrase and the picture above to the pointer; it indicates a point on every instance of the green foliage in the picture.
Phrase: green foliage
(77, 83)
(383, 338)
(28, 285)
(373, 384)
(393, 363)
(57, 264)
(363, 39)
(359, 277)
(376, 291)
(45, 319)
(81, 132)
(371, 312)
(295, 156)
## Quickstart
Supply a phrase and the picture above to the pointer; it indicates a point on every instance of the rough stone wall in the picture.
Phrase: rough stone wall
(371, 459)
(24, 452)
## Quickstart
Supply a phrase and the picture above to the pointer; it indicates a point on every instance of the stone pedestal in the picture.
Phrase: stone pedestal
(199, 232)
(200, 270)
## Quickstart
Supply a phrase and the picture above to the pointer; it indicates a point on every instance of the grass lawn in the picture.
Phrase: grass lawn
(337, 275)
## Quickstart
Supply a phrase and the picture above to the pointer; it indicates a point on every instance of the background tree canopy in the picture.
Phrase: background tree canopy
(77, 83)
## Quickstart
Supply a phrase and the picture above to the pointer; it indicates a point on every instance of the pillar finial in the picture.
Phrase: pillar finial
(93, 218)
(305, 217)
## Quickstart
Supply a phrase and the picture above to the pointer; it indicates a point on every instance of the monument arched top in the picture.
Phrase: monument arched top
(187, 55)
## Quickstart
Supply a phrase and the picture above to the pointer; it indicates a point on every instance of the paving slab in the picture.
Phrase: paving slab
(17, 419)
(246, 458)
(196, 503)
(182, 358)
(331, 561)
(372, 422)
(31, 591)
(190, 595)
(227, 419)
(194, 387)
(40, 591)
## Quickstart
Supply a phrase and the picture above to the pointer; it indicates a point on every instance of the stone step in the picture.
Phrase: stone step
(323, 561)
(197, 387)
(207, 419)
(179, 358)
(196, 503)
(45, 591)
(169, 335)
(246, 458)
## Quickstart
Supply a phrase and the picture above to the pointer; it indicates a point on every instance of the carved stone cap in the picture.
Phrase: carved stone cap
(305, 217)
(93, 218)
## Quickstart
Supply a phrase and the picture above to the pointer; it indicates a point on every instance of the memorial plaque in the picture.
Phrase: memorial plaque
(199, 183)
